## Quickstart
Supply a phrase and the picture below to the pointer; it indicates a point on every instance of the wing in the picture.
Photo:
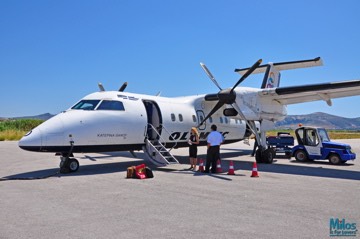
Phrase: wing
(314, 92)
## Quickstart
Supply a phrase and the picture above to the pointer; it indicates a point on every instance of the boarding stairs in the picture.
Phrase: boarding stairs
(156, 151)
(246, 141)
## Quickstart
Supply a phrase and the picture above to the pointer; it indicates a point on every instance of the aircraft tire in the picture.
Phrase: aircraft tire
(73, 165)
(301, 156)
(268, 155)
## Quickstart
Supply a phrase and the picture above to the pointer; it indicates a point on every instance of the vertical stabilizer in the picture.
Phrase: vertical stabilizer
(271, 77)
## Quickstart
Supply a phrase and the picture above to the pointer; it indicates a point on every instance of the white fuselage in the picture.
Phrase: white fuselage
(118, 121)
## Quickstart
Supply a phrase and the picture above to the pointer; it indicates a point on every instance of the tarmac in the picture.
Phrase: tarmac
(288, 200)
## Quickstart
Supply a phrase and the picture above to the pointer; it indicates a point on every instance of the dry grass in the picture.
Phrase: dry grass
(333, 134)
(344, 134)
(11, 135)
(15, 129)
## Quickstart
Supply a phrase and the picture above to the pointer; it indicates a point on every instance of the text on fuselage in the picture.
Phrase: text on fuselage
(184, 135)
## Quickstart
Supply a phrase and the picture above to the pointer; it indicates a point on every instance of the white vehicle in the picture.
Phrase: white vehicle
(122, 121)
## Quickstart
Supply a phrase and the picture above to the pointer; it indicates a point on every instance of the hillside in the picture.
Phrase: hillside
(319, 119)
(45, 116)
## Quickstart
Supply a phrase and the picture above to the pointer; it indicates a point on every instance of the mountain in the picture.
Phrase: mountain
(41, 117)
(319, 119)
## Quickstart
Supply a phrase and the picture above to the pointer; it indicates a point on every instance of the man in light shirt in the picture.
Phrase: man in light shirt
(214, 140)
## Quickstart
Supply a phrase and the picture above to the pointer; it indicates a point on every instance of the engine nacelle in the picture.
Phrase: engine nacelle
(230, 112)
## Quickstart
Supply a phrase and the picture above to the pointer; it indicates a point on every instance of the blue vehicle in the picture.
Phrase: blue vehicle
(281, 144)
(314, 143)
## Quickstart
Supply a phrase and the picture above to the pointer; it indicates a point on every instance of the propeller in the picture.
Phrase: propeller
(226, 96)
(122, 88)
(101, 87)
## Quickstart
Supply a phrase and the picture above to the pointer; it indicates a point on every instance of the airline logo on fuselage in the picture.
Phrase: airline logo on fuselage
(184, 135)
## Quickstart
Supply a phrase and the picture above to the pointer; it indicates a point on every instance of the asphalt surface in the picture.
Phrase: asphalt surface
(287, 200)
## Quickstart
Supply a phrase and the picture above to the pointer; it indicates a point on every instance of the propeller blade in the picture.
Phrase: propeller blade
(101, 87)
(209, 75)
(251, 69)
(122, 88)
(217, 106)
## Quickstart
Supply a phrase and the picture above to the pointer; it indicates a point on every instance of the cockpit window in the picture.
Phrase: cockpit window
(86, 105)
(111, 105)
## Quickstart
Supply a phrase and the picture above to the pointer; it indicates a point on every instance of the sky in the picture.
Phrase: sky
(53, 53)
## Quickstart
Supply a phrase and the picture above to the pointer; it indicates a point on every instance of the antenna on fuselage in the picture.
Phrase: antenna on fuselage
(101, 87)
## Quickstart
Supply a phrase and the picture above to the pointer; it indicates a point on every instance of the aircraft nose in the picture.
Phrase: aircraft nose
(32, 141)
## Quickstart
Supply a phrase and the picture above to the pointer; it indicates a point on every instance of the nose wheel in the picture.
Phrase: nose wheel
(69, 165)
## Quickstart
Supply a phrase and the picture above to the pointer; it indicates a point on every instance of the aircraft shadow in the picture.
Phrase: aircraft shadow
(310, 171)
(96, 169)
(295, 168)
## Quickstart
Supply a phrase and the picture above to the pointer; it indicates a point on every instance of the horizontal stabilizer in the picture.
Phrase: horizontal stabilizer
(285, 65)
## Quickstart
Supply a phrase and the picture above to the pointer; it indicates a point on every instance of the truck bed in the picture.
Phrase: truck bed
(280, 141)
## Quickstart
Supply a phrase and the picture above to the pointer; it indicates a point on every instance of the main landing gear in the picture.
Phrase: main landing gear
(265, 156)
(68, 164)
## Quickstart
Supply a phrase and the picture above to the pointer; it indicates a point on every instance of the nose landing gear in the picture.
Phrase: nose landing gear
(68, 164)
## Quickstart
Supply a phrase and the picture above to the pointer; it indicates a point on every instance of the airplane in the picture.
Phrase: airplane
(107, 121)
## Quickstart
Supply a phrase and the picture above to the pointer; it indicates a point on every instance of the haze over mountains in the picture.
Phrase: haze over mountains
(317, 119)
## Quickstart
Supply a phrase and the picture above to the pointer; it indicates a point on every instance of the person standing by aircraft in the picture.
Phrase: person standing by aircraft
(214, 140)
(193, 142)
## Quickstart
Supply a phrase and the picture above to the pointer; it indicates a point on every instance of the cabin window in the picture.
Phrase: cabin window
(111, 105)
(181, 118)
(194, 118)
(201, 118)
(86, 105)
(221, 120)
(226, 120)
(210, 120)
(173, 118)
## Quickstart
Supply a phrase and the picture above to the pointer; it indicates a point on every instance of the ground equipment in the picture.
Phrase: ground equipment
(314, 143)
(281, 143)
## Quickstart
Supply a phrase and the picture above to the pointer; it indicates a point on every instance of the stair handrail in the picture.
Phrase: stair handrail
(156, 131)
(172, 137)
(157, 151)
(161, 139)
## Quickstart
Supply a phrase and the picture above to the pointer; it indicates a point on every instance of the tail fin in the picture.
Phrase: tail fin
(272, 70)
(271, 77)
